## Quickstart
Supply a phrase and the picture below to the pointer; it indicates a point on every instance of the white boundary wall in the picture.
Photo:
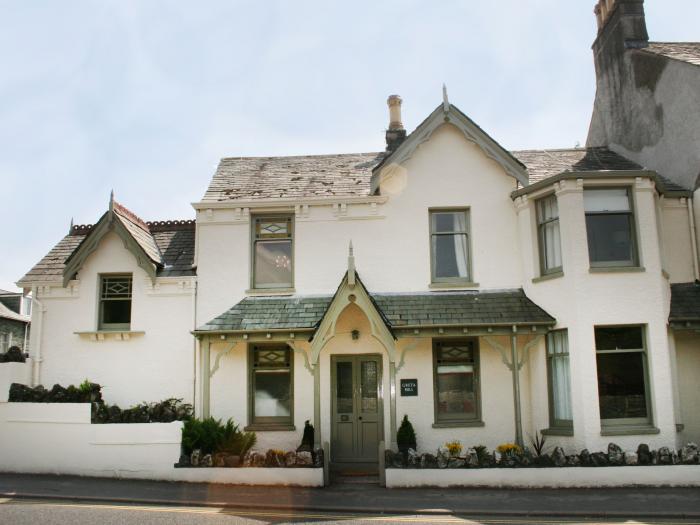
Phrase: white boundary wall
(13, 373)
(573, 477)
(58, 438)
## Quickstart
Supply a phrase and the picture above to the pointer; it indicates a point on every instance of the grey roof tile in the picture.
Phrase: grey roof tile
(400, 310)
(685, 302)
(684, 51)
(174, 241)
(249, 178)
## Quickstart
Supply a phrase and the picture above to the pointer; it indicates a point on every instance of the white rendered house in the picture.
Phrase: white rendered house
(486, 294)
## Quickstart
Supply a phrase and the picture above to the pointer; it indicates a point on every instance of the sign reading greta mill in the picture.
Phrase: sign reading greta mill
(409, 387)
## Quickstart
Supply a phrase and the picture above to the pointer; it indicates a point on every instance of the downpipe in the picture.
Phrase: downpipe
(37, 307)
(693, 238)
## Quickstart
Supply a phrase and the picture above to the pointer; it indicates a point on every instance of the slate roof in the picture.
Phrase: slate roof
(684, 51)
(685, 302)
(6, 313)
(174, 241)
(250, 178)
(400, 310)
(139, 231)
(545, 163)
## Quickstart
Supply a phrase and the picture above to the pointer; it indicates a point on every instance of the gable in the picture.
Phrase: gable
(448, 114)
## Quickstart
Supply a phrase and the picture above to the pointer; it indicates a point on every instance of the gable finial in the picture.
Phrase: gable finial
(111, 200)
(445, 100)
(70, 228)
(351, 265)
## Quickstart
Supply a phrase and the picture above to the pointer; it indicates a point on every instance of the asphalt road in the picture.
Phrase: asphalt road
(35, 512)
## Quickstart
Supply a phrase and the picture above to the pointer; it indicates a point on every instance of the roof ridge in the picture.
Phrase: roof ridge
(313, 155)
(130, 215)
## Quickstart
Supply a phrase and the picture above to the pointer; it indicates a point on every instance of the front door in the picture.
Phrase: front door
(356, 408)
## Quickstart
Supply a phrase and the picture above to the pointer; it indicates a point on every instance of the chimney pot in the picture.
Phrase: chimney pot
(396, 134)
(394, 103)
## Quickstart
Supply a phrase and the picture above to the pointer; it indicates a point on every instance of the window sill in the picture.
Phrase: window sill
(270, 428)
(117, 335)
(548, 276)
(459, 424)
(270, 291)
(616, 269)
(628, 431)
(557, 432)
(457, 285)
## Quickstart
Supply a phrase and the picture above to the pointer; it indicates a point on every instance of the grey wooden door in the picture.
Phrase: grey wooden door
(356, 408)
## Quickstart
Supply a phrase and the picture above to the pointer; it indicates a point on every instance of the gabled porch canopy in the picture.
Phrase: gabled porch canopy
(685, 306)
(133, 231)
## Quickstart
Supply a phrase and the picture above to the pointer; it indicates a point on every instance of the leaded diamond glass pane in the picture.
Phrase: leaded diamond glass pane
(116, 287)
(456, 353)
(268, 357)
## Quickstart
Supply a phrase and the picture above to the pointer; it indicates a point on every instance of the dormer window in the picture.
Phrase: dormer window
(449, 246)
(115, 302)
(272, 252)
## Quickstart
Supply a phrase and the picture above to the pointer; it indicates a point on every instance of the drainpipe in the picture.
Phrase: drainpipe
(516, 387)
(693, 239)
(36, 359)
(194, 347)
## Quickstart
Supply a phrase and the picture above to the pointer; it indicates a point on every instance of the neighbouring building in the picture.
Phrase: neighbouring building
(486, 294)
(15, 311)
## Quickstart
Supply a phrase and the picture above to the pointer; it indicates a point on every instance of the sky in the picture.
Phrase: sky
(144, 97)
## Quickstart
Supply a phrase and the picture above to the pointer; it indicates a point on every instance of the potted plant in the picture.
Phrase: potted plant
(406, 436)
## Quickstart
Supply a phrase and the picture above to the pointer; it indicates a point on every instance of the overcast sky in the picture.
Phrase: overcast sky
(145, 96)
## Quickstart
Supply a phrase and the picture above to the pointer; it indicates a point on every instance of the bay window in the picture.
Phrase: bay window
(549, 235)
(623, 392)
(610, 227)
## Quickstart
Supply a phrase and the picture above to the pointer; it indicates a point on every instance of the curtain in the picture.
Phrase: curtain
(460, 240)
(561, 387)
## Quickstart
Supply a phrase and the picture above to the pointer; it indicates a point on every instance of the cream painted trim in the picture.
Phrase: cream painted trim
(352, 294)
(283, 204)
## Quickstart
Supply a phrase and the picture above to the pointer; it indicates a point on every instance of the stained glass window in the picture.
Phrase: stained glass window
(272, 252)
(456, 381)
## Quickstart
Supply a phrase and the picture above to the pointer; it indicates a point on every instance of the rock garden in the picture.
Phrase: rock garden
(453, 455)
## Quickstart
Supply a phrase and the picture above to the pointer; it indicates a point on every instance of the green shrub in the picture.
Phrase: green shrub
(211, 436)
(406, 436)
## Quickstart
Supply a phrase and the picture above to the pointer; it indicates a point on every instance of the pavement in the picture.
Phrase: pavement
(629, 503)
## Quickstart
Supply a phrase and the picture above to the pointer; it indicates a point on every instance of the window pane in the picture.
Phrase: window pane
(618, 337)
(272, 229)
(548, 209)
(621, 388)
(606, 200)
(455, 221)
(344, 398)
(368, 386)
(455, 390)
(272, 393)
(116, 312)
(561, 388)
(116, 287)
(610, 238)
(552, 245)
(273, 263)
(450, 256)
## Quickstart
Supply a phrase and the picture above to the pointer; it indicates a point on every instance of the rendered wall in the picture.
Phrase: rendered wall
(13, 373)
(148, 367)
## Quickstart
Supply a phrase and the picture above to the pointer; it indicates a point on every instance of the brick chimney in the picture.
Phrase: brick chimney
(396, 134)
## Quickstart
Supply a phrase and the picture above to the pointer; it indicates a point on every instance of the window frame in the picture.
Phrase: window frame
(269, 422)
(114, 327)
(255, 219)
(622, 423)
(632, 213)
(469, 279)
(557, 424)
(541, 238)
(5, 341)
(442, 421)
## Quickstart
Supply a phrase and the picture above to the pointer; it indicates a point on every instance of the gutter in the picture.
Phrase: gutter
(598, 175)
(36, 359)
(693, 238)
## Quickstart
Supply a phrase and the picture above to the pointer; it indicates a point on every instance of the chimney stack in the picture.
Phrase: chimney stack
(624, 19)
(396, 133)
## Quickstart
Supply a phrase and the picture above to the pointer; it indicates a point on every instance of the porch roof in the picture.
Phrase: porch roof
(685, 304)
(401, 310)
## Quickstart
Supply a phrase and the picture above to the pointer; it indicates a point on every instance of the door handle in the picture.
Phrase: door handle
(360, 418)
